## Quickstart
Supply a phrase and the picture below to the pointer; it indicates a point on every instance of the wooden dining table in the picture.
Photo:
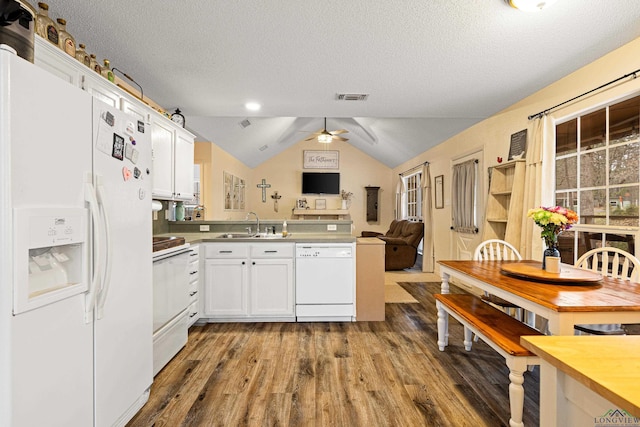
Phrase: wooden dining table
(564, 303)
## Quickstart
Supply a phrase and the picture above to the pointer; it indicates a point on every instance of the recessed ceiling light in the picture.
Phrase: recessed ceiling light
(252, 106)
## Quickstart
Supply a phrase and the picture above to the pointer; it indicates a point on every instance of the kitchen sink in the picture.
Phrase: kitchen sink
(248, 236)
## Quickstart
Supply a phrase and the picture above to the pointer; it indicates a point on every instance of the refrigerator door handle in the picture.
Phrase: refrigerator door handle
(106, 278)
(90, 299)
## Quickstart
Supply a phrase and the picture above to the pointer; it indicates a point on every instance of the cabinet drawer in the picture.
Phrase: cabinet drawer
(272, 250)
(193, 276)
(195, 251)
(194, 314)
(226, 250)
(193, 291)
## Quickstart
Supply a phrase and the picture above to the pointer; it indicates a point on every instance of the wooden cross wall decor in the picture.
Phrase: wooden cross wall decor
(264, 187)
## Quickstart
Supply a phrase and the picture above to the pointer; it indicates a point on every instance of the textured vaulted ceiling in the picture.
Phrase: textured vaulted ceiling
(432, 68)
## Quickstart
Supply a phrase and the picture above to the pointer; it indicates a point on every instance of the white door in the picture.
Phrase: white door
(464, 244)
(225, 290)
(123, 325)
(272, 287)
(162, 136)
(183, 167)
(46, 354)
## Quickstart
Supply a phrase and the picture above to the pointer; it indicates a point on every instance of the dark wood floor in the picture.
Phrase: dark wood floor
(336, 374)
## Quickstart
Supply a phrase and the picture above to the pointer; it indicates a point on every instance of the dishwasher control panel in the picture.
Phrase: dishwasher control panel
(312, 251)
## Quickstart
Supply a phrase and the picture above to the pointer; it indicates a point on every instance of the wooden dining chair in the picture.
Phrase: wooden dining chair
(499, 250)
(611, 262)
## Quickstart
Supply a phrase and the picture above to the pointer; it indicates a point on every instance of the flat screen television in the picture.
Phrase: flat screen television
(320, 183)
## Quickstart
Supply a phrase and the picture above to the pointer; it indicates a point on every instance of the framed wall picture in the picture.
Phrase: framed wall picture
(234, 192)
(228, 191)
(439, 191)
(301, 203)
(518, 146)
(326, 159)
(321, 204)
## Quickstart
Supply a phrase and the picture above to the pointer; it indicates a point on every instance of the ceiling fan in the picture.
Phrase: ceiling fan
(325, 137)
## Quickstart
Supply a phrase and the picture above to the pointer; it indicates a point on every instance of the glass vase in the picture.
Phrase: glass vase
(551, 250)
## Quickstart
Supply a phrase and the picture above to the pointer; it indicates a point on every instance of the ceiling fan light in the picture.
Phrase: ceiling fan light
(325, 138)
(530, 5)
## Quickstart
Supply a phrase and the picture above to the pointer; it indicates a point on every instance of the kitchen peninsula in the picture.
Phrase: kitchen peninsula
(309, 274)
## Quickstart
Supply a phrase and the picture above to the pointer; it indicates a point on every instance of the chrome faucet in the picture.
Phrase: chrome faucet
(257, 223)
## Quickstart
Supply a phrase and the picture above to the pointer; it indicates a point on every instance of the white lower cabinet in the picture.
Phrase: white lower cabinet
(225, 291)
(249, 281)
(271, 287)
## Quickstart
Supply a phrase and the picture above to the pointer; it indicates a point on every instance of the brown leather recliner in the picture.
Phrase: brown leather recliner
(402, 240)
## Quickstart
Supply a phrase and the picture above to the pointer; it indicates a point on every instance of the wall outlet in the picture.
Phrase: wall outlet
(204, 228)
(332, 227)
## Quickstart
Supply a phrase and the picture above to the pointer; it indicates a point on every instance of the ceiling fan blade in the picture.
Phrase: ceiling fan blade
(339, 138)
(338, 132)
(312, 137)
(318, 132)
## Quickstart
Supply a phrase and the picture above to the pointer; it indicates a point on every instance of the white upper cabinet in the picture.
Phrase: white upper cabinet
(173, 146)
(102, 89)
(173, 149)
(162, 136)
(49, 57)
(136, 109)
(183, 166)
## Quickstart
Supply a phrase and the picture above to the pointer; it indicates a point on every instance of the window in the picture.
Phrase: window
(413, 196)
(464, 196)
(598, 175)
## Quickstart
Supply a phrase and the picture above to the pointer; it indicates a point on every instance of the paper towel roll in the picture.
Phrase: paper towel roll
(156, 205)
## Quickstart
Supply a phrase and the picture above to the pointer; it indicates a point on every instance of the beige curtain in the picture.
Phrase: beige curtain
(400, 190)
(463, 184)
(531, 243)
(427, 217)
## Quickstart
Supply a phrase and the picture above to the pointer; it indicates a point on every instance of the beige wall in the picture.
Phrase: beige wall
(358, 170)
(493, 134)
(215, 161)
(283, 172)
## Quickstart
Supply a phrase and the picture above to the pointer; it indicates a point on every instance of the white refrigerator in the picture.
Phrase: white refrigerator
(75, 267)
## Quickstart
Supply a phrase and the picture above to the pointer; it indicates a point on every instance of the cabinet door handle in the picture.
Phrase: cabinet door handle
(243, 263)
(270, 252)
(193, 254)
(253, 263)
(193, 293)
(193, 314)
(194, 272)
(225, 252)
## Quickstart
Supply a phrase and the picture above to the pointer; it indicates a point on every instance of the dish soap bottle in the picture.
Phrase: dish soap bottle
(284, 228)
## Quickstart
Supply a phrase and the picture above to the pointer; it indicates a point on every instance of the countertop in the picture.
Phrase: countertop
(607, 365)
(370, 241)
(211, 237)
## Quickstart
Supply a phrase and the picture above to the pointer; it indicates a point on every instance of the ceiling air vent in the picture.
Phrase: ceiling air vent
(352, 96)
(245, 123)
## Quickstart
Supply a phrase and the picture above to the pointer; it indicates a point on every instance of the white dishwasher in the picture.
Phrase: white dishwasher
(325, 282)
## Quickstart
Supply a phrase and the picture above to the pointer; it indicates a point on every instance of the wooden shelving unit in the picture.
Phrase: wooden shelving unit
(321, 213)
(505, 210)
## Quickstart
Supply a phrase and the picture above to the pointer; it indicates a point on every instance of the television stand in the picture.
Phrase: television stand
(326, 214)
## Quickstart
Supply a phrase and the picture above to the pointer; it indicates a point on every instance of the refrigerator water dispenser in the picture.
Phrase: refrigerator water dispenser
(51, 256)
